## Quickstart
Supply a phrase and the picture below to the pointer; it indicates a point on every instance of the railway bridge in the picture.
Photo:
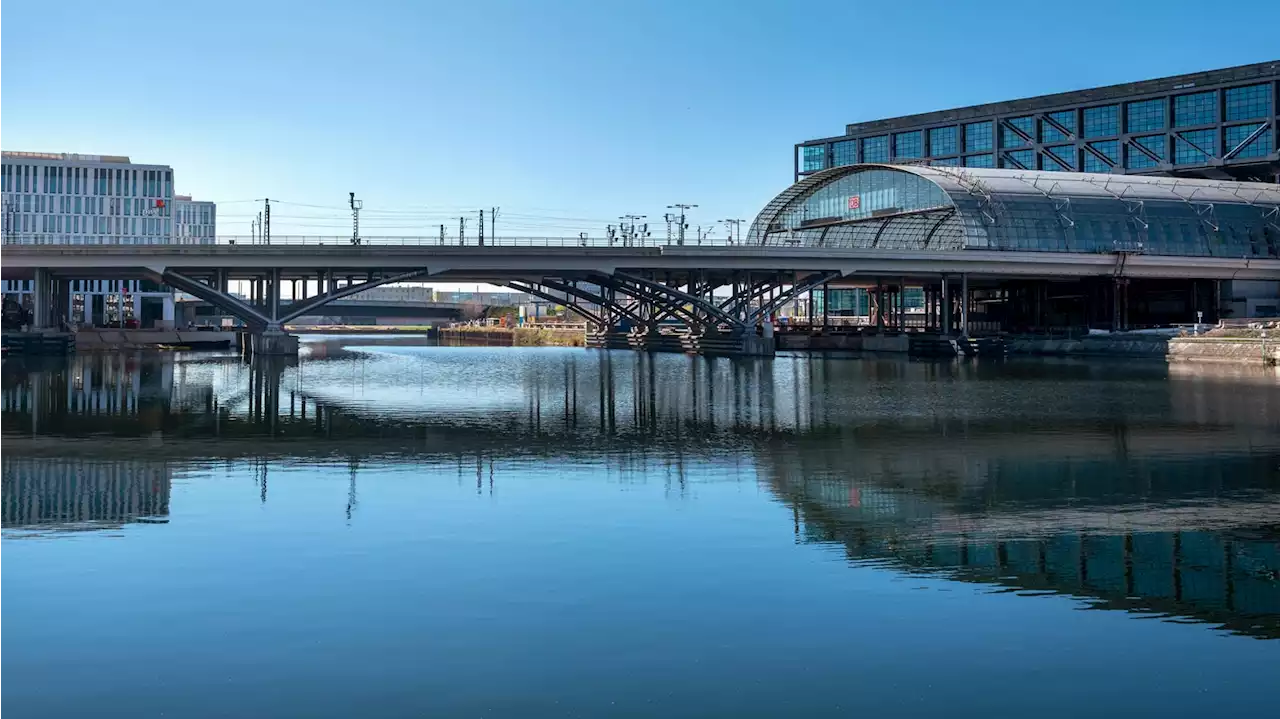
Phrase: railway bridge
(1032, 249)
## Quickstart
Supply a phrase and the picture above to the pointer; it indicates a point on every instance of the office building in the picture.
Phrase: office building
(1219, 124)
(65, 198)
(195, 222)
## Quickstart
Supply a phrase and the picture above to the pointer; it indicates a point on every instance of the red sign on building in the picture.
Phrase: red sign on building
(855, 202)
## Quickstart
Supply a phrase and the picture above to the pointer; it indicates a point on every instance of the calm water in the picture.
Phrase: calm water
(399, 530)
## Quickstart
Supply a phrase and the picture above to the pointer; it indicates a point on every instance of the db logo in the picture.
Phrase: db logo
(855, 202)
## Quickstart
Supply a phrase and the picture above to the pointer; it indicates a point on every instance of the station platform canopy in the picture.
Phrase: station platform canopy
(934, 208)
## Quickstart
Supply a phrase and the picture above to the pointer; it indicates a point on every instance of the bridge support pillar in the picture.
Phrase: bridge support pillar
(41, 299)
(274, 341)
(946, 308)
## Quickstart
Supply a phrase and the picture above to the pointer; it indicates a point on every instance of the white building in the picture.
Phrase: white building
(195, 222)
(62, 198)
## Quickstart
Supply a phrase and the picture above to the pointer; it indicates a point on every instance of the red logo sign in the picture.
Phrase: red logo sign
(855, 202)
(159, 203)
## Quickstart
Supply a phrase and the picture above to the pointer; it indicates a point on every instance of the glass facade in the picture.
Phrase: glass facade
(1019, 160)
(60, 204)
(1194, 147)
(1260, 146)
(1144, 116)
(1102, 121)
(1137, 159)
(875, 149)
(1199, 108)
(977, 136)
(860, 195)
(1061, 157)
(908, 145)
(1109, 149)
(1017, 132)
(844, 153)
(942, 141)
(946, 162)
(1248, 103)
(813, 158)
(900, 209)
(1204, 122)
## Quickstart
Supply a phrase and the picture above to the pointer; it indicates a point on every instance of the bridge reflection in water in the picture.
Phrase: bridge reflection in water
(1170, 507)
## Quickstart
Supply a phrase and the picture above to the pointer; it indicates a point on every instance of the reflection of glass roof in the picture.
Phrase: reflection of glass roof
(950, 208)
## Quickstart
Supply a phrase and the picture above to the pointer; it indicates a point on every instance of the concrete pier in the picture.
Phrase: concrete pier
(273, 343)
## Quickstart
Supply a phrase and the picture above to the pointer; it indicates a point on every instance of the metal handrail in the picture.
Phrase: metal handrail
(375, 240)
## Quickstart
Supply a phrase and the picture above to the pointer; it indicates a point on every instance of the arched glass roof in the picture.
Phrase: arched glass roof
(951, 208)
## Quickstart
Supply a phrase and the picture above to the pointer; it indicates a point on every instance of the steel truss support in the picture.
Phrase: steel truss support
(567, 301)
(220, 299)
(269, 313)
(298, 308)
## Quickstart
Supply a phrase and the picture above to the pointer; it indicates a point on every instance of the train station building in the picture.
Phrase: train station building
(1184, 165)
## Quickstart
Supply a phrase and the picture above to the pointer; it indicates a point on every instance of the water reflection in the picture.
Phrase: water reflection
(1138, 487)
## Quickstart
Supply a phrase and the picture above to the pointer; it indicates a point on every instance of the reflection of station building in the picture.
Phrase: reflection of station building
(1154, 549)
(62, 493)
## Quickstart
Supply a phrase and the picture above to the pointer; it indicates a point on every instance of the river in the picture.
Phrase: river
(385, 528)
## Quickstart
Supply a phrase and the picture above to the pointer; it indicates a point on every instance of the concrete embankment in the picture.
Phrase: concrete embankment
(134, 339)
(852, 341)
(513, 336)
(1245, 350)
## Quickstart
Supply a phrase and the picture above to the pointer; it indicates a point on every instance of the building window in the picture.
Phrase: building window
(1136, 159)
(1065, 119)
(875, 149)
(1108, 148)
(978, 160)
(977, 136)
(843, 153)
(1009, 136)
(1198, 109)
(1246, 103)
(1019, 160)
(1194, 147)
(907, 145)
(1145, 116)
(1102, 121)
(942, 141)
(1260, 146)
(1061, 157)
(814, 158)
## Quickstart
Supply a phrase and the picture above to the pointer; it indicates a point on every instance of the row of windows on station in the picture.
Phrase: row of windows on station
(1195, 147)
(1190, 147)
(1238, 104)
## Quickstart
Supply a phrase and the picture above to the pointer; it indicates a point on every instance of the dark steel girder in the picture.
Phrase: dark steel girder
(534, 290)
(682, 298)
(805, 285)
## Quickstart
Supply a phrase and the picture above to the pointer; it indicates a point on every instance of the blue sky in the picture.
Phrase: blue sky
(566, 113)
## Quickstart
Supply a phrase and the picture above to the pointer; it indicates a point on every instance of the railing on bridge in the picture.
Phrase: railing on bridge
(427, 241)
(378, 240)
